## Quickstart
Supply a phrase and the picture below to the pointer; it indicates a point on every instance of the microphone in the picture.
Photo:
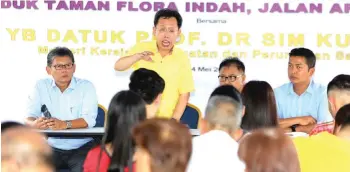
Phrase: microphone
(45, 111)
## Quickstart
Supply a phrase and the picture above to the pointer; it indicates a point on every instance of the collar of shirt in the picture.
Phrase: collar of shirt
(309, 89)
(72, 83)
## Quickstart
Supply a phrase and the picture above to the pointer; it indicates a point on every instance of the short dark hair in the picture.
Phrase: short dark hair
(59, 52)
(168, 13)
(340, 82)
(147, 83)
(260, 106)
(309, 56)
(9, 124)
(168, 142)
(342, 118)
(227, 90)
(232, 61)
(125, 111)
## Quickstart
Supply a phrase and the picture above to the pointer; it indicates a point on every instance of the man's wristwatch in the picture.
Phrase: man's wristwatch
(69, 124)
(293, 128)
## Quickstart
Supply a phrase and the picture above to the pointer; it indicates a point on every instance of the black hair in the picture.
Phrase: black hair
(168, 13)
(342, 118)
(125, 111)
(232, 61)
(309, 56)
(9, 124)
(227, 90)
(147, 83)
(260, 106)
(59, 52)
(340, 82)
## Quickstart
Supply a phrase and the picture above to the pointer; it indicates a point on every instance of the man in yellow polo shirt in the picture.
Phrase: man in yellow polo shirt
(170, 62)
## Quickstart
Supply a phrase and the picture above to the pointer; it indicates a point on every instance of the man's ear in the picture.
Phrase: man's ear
(158, 99)
(311, 71)
(48, 70)
(203, 126)
(179, 33)
(332, 106)
(74, 67)
(243, 110)
(243, 79)
(237, 134)
(154, 31)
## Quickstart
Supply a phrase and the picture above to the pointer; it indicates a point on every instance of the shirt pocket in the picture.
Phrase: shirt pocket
(74, 108)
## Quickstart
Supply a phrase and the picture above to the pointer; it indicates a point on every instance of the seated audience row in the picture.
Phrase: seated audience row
(165, 144)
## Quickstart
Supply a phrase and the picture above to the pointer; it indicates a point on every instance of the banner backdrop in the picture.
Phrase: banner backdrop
(99, 32)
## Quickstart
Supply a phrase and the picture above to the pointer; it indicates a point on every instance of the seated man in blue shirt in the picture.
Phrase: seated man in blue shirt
(301, 103)
(72, 103)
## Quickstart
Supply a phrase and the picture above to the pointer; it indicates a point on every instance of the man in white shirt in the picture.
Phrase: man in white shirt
(216, 149)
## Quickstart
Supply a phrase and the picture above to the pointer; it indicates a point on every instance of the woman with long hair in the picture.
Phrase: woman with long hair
(115, 154)
(260, 106)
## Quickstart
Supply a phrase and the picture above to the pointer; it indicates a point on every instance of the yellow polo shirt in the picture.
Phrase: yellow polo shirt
(323, 152)
(175, 69)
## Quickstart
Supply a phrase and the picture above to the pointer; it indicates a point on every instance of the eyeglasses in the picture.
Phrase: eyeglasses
(231, 78)
(63, 66)
(168, 30)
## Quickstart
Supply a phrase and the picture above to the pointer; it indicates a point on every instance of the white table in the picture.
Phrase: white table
(88, 132)
(297, 134)
(84, 132)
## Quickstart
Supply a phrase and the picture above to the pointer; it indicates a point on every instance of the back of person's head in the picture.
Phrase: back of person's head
(162, 145)
(125, 111)
(338, 91)
(59, 52)
(23, 149)
(223, 113)
(268, 150)
(168, 13)
(309, 56)
(339, 83)
(227, 90)
(147, 83)
(342, 119)
(260, 106)
(9, 124)
(229, 61)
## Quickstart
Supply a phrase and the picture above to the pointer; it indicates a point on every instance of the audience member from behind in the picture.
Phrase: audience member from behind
(232, 72)
(338, 91)
(327, 152)
(301, 103)
(228, 90)
(342, 122)
(125, 110)
(216, 149)
(260, 106)
(9, 124)
(150, 86)
(72, 103)
(162, 145)
(268, 149)
(23, 149)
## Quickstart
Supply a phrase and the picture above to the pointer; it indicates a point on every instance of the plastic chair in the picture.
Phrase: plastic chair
(191, 116)
(101, 116)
